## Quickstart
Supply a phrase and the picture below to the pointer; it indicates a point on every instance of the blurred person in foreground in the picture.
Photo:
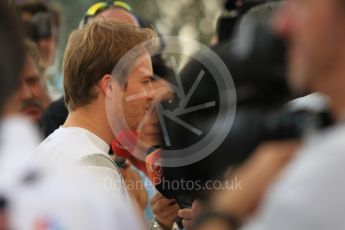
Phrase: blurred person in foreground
(12, 60)
(12, 128)
(31, 195)
(286, 186)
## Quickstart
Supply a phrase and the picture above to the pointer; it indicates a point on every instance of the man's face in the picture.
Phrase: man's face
(47, 48)
(138, 103)
(119, 15)
(31, 91)
(315, 30)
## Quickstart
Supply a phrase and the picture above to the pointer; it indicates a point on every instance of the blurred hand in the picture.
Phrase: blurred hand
(256, 176)
(189, 214)
(213, 225)
(165, 210)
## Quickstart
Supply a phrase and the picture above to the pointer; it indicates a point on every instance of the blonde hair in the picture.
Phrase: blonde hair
(92, 52)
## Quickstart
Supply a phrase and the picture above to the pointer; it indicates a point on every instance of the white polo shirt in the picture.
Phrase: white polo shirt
(71, 144)
(78, 146)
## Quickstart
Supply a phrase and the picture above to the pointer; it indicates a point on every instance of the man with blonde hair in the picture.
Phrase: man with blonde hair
(91, 55)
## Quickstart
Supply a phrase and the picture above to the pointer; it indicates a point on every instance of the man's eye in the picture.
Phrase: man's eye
(32, 81)
(147, 81)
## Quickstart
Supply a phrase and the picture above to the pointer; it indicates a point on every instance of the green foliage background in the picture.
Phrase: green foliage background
(192, 18)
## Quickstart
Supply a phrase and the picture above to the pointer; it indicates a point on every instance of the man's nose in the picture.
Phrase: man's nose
(25, 91)
(44, 43)
(151, 93)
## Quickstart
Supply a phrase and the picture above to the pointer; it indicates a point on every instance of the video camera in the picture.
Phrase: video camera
(233, 11)
(256, 60)
(39, 27)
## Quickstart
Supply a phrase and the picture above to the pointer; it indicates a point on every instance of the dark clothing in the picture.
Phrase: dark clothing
(53, 117)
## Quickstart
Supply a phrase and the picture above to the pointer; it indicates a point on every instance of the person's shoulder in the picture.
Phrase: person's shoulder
(329, 138)
(321, 157)
(62, 135)
(310, 186)
(70, 142)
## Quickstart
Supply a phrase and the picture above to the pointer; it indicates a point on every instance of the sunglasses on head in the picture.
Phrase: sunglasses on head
(97, 7)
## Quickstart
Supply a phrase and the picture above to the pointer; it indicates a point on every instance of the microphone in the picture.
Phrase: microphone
(154, 166)
(124, 146)
(161, 177)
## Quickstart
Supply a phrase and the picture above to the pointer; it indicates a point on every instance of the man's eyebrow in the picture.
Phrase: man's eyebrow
(34, 75)
(146, 71)
(31, 77)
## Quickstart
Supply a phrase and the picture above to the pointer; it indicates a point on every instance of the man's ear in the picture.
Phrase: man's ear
(105, 85)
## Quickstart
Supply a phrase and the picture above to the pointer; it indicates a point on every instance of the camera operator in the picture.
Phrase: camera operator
(287, 186)
(254, 98)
